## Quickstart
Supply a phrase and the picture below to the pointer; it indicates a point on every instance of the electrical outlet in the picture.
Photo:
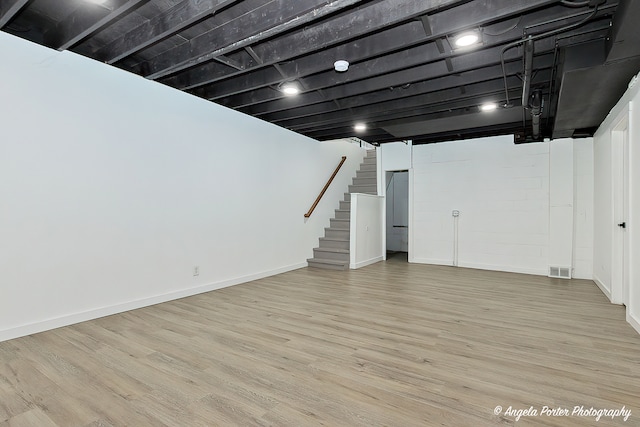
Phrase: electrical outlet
(455, 213)
(196, 270)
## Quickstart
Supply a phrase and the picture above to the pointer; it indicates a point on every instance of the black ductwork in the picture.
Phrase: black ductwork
(528, 71)
(535, 105)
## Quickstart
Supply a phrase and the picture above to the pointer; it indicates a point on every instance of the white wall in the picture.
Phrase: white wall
(366, 242)
(606, 234)
(113, 188)
(561, 203)
(509, 219)
(502, 192)
(583, 208)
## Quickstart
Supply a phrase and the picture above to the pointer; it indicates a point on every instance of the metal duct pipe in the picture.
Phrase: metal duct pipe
(537, 37)
(528, 70)
(535, 104)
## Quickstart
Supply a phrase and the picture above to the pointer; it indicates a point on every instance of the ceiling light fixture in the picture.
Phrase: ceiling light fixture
(359, 127)
(97, 1)
(467, 39)
(341, 65)
(489, 106)
(290, 89)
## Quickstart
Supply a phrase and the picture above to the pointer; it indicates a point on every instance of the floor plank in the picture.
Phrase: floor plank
(392, 344)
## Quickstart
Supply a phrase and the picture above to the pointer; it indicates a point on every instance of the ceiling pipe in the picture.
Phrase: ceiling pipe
(535, 105)
(534, 38)
(528, 70)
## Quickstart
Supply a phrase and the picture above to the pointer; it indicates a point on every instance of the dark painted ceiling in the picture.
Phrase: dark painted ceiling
(566, 61)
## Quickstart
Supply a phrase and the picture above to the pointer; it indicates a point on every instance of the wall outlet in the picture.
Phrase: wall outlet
(196, 270)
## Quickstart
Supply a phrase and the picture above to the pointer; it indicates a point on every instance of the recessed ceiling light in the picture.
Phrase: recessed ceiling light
(360, 127)
(290, 89)
(97, 1)
(466, 39)
(341, 65)
(489, 106)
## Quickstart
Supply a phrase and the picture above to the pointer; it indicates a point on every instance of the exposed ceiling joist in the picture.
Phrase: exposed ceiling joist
(9, 9)
(177, 18)
(405, 67)
(86, 20)
(271, 19)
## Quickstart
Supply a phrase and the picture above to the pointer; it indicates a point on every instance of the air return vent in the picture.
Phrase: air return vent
(560, 272)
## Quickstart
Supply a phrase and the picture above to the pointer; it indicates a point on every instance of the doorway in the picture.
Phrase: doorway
(620, 253)
(397, 213)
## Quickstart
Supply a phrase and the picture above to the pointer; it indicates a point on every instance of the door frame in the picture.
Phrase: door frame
(620, 266)
(384, 188)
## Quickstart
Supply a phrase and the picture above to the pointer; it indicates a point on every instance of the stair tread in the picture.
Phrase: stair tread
(335, 250)
(334, 239)
(327, 261)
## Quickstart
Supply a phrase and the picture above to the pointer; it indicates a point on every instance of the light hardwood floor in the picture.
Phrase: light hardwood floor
(392, 344)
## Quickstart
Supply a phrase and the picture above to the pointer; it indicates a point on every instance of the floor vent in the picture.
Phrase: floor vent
(560, 272)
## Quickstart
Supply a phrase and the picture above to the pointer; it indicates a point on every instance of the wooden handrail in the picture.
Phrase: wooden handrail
(335, 172)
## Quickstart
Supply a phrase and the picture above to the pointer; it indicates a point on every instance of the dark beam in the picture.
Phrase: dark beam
(399, 109)
(267, 21)
(229, 62)
(9, 9)
(396, 79)
(326, 114)
(378, 102)
(86, 20)
(402, 107)
(366, 19)
(412, 74)
(379, 42)
(172, 21)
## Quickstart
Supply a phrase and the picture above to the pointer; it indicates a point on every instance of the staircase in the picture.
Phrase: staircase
(333, 252)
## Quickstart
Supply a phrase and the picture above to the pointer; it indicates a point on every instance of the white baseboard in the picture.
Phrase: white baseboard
(633, 321)
(505, 268)
(602, 287)
(432, 261)
(70, 319)
(360, 264)
(491, 267)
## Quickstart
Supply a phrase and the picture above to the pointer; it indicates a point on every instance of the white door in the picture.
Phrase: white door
(620, 253)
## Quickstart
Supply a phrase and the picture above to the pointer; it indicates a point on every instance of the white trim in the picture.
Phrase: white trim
(352, 228)
(476, 266)
(635, 323)
(505, 268)
(432, 261)
(602, 287)
(83, 316)
(410, 237)
(360, 264)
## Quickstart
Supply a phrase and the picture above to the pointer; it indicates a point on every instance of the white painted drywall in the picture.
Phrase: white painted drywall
(583, 208)
(561, 203)
(113, 188)
(604, 189)
(366, 242)
(522, 207)
(502, 192)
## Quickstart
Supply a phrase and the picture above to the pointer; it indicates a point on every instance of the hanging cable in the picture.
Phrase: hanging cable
(503, 32)
(536, 37)
(574, 3)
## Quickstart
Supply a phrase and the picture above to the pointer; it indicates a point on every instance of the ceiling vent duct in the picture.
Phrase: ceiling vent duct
(535, 105)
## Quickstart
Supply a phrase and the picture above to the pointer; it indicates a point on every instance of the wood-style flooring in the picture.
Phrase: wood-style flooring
(392, 344)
